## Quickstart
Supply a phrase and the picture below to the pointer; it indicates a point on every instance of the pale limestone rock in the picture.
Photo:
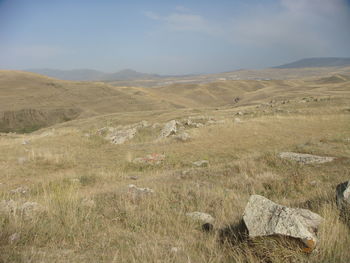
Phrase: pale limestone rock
(14, 238)
(26, 209)
(201, 163)
(22, 160)
(200, 216)
(266, 218)
(305, 158)
(122, 136)
(138, 192)
(169, 129)
(22, 190)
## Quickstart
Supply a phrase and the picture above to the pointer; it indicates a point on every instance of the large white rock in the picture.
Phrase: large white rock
(265, 218)
(305, 158)
(169, 129)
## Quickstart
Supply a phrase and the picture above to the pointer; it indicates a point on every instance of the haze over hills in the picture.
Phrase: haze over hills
(317, 62)
(92, 75)
(132, 75)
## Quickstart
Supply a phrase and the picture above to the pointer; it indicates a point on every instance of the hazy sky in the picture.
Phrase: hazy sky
(170, 37)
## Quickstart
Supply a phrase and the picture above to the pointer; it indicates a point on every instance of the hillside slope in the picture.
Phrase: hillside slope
(29, 101)
(39, 95)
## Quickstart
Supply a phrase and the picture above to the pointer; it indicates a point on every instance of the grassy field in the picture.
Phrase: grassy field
(87, 213)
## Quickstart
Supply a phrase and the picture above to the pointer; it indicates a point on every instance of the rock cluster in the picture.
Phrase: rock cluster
(169, 129)
(305, 158)
(121, 134)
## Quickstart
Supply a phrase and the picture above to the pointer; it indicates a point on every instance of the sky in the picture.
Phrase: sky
(170, 37)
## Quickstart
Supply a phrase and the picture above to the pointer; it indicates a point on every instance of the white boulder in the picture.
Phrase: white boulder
(266, 218)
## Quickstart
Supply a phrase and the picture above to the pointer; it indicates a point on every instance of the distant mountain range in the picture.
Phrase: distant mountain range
(317, 62)
(129, 74)
(93, 75)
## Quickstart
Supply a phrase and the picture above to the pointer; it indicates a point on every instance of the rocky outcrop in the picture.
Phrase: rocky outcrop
(169, 129)
(263, 217)
(305, 158)
(122, 136)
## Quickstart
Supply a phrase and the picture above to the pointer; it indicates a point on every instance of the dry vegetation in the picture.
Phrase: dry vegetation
(88, 215)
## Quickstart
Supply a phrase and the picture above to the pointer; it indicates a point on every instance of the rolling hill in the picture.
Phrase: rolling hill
(29, 101)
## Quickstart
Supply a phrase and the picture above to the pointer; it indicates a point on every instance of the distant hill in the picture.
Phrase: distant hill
(317, 62)
(92, 75)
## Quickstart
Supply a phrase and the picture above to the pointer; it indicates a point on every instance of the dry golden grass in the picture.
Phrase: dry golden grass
(90, 216)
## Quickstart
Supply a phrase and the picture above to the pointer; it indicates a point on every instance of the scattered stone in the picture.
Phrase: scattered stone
(313, 183)
(122, 136)
(305, 158)
(151, 159)
(237, 120)
(236, 100)
(343, 195)
(239, 113)
(133, 177)
(25, 142)
(169, 129)
(22, 160)
(22, 190)
(174, 249)
(26, 209)
(182, 137)
(29, 209)
(200, 216)
(14, 238)
(263, 217)
(201, 163)
(138, 192)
